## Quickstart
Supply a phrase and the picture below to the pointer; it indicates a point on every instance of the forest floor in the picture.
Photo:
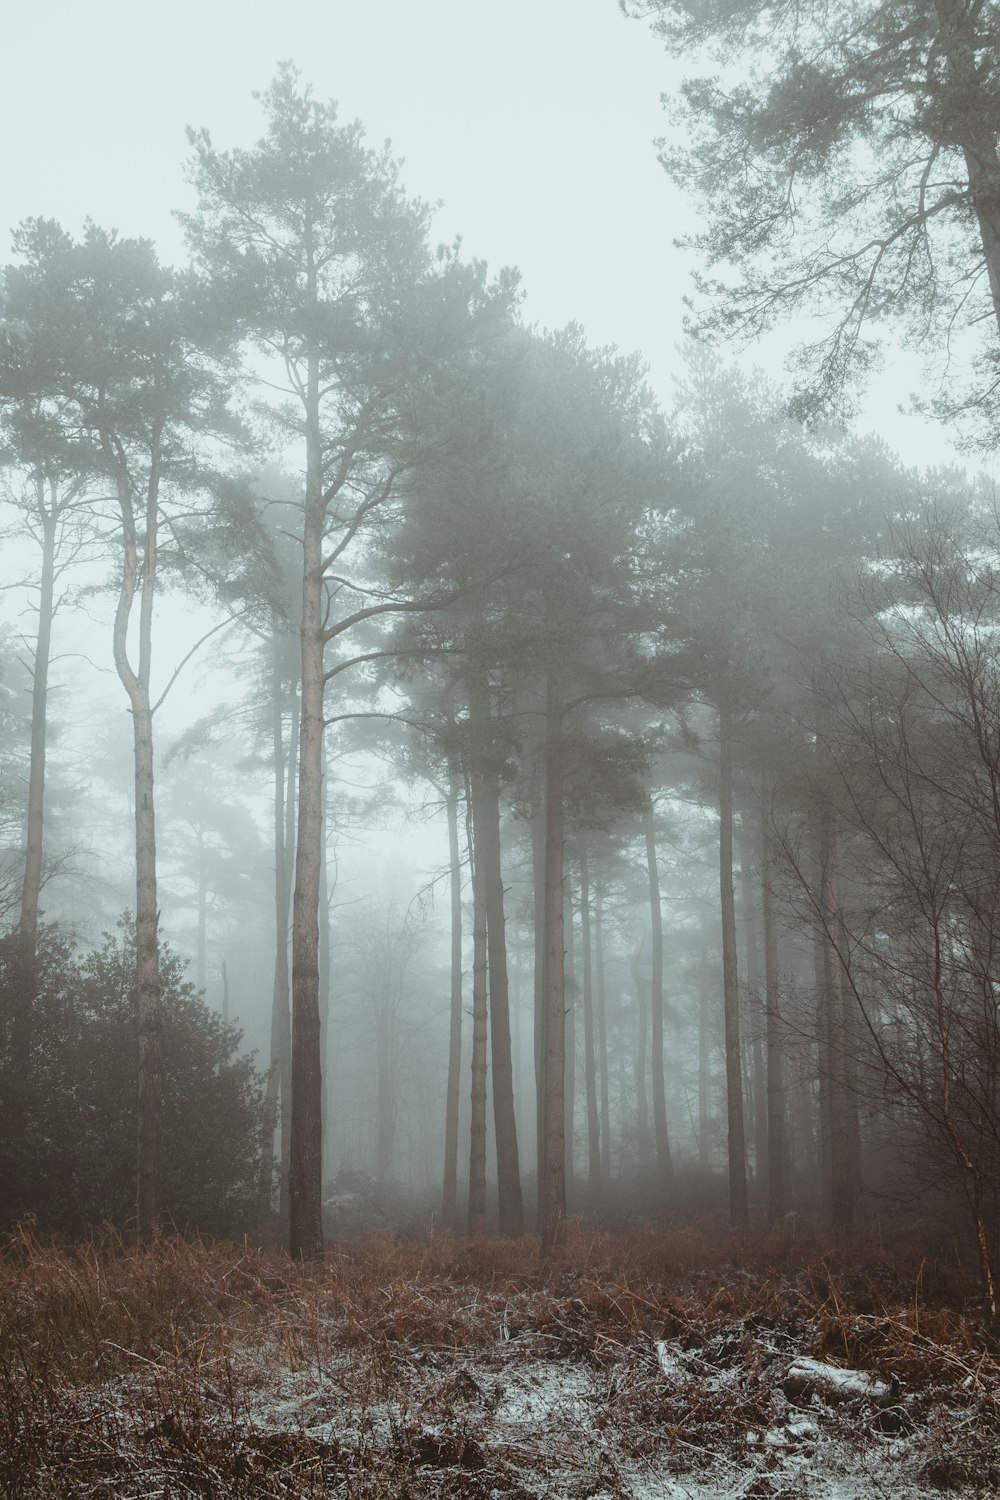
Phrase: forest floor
(646, 1365)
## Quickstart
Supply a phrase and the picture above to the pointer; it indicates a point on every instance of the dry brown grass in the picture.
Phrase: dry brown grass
(124, 1369)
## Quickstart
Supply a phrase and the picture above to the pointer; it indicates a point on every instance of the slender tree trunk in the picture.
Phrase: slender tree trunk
(589, 1044)
(801, 1132)
(837, 1043)
(569, 1084)
(486, 831)
(644, 1137)
(305, 1163)
(754, 1011)
(553, 1198)
(823, 1068)
(136, 681)
(538, 980)
(664, 1160)
(517, 1015)
(776, 1131)
(477, 1131)
(449, 1196)
(32, 885)
(279, 1070)
(843, 1163)
(325, 895)
(201, 943)
(739, 1209)
(601, 1014)
(704, 1050)
(849, 1024)
(385, 1084)
(25, 989)
(150, 1147)
(285, 999)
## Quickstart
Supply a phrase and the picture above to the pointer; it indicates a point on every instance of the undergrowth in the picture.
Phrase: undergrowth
(192, 1369)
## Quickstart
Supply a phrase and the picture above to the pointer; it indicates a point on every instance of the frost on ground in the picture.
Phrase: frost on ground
(423, 1385)
(515, 1422)
(518, 1426)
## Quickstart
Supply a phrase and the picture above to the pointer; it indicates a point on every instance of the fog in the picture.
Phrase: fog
(563, 748)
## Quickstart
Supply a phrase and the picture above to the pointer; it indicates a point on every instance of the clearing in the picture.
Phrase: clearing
(653, 1365)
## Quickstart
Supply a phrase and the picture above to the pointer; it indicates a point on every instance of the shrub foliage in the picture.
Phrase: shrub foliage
(70, 1163)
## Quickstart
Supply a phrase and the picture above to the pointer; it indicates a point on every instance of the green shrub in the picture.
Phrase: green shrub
(70, 1160)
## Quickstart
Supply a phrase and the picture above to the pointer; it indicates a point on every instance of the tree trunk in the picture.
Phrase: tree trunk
(569, 1083)
(477, 1130)
(150, 1148)
(538, 980)
(739, 1210)
(449, 1195)
(644, 1139)
(823, 1069)
(517, 1014)
(385, 1078)
(32, 884)
(285, 1018)
(774, 1043)
(201, 941)
(486, 830)
(279, 1070)
(305, 1162)
(704, 1050)
(553, 1195)
(325, 895)
(601, 1014)
(589, 1047)
(754, 1011)
(836, 1042)
(25, 989)
(664, 1160)
(136, 680)
(843, 1162)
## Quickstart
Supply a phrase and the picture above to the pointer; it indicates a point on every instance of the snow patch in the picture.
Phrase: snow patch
(807, 1377)
(670, 1362)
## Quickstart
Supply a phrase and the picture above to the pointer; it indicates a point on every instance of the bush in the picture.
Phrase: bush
(71, 1164)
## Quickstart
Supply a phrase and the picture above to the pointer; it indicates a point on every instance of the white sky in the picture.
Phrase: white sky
(532, 121)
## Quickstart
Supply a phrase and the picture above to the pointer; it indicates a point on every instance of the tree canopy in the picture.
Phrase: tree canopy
(845, 162)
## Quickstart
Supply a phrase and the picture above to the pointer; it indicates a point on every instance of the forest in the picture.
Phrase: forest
(452, 797)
